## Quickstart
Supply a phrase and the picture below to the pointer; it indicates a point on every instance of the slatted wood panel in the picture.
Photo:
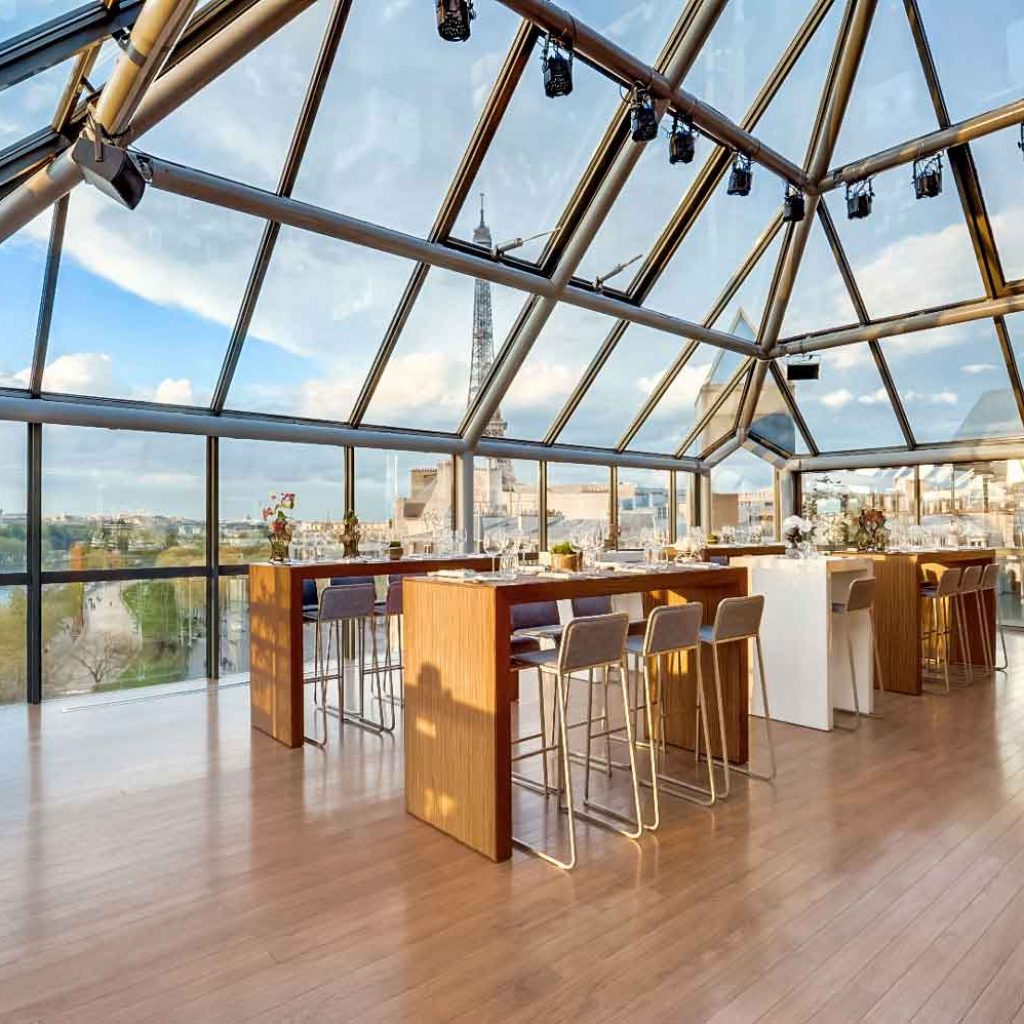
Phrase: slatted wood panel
(161, 862)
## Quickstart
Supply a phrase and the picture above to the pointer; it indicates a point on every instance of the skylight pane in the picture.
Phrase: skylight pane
(889, 102)
(559, 356)
(399, 108)
(426, 383)
(998, 161)
(22, 263)
(979, 55)
(240, 125)
(16, 17)
(953, 383)
(539, 152)
(723, 421)
(847, 408)
(773, 422)
(322, 313)
(146, 299)
(32, 103)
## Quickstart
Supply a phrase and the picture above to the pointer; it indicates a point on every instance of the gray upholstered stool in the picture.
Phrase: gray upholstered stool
(937, 634)
(340, 605)
(671, 630)
(737, 620)
(860, 598)
(968, 591)
(588, 644)
(990, 584)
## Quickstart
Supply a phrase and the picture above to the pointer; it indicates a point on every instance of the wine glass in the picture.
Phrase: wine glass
(492, 545)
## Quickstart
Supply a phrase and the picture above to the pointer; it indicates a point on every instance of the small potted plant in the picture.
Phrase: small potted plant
(564, 558)
(279, 526)
(395, 551)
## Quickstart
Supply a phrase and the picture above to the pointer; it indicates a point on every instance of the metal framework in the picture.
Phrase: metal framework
(171, 52)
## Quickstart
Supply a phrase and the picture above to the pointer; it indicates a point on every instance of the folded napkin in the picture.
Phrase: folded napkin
(455, 574)
(554, 574)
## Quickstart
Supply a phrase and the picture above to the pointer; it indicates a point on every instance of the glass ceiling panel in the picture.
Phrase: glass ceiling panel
(632, 371)
(674, 416)
(31, 104)
(953, 383)
(320, 318)
(743, 47)
(773, 421)
(723, 422)
(399, 108)
(240, 125)
(716, 245)
(16, 17)
(889, 102)
(819, 299)
(539, 152)
(558, 358)
(426, 382)
(1015, 328)
(998, 160)
(979, 55)
(910, 254)
(847, 408)
(146, 299)
(786, 124)
(656, 187)
(22, 262)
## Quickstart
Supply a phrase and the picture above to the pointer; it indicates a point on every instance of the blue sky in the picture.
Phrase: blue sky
(146, 301)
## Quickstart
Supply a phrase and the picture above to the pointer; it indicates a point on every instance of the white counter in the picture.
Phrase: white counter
(807, 665)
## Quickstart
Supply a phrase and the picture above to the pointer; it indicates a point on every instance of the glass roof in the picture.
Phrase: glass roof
(346, 332)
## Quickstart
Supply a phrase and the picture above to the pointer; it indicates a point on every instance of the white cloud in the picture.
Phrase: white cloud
(545, 383)
(977, 368)
(837, 399)
(878, 397)
(396, 7)
(944, 397)
(174, 392)
(81, 373)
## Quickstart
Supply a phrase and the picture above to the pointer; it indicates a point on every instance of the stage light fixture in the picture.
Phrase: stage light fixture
(113, 171)
(859, 195)
(741, 177)
(928, 177)
(643, 118)
(803, 368)
(557, 64)
(453, 18)
(793, 206)
(682, 141)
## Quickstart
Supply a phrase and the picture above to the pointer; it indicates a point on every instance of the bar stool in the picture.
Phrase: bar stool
(970, 585)
(671, 630)
(588, 644)
(938, 598)
(351, 604)
(859, 598)
(990, 584)
(737, 620)
(390, 609)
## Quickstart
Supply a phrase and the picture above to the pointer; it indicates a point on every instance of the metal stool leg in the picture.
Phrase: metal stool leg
(986, 653)
(853, 684)
(959, 610)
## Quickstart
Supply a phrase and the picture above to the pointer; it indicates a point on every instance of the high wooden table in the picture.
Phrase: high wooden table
(898, 610)
(275, 631)
(731, 551)
(459, 690)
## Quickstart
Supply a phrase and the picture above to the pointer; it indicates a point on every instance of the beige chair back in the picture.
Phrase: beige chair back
(738, 618)
(348, 601)
(990, 577)
(592, 641)
(948, 583)
(970, 580)
(673, 628)
(861, 596)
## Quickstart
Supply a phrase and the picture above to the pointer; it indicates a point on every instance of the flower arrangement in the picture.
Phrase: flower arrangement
(351, 534)
(871, 534)
(797, 531)
(279, 526)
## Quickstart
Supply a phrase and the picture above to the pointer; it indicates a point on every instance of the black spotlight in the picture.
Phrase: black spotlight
(858, 199)
(453, 18)
(681, 142)
(112, 170)
(642, 117)
(741, 176)
(557, 64)
(793, 206)
(1020, 145)
(928, 178)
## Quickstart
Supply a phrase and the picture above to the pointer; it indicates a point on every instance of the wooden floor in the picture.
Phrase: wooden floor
(159, 862)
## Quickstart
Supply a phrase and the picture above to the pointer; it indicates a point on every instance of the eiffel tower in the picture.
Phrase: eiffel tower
(483, 346)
